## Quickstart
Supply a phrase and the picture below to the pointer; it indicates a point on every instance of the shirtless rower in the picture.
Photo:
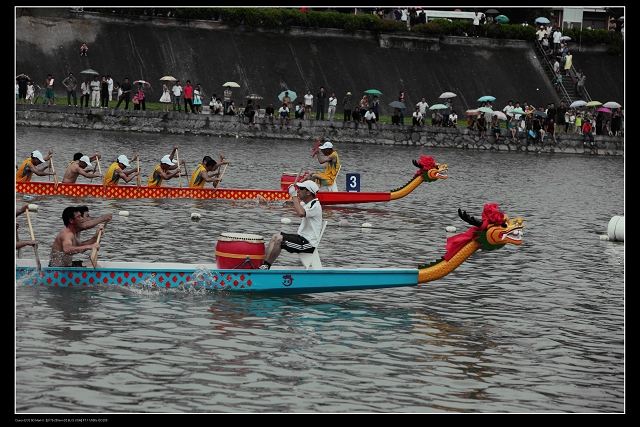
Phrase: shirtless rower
(67, 243)
(77, 168)
(23, 243)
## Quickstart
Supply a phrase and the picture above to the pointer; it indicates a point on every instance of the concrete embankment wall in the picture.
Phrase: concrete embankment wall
(211, 53)
(172, 123)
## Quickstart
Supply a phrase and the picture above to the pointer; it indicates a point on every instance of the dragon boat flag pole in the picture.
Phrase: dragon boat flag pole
(35, 248)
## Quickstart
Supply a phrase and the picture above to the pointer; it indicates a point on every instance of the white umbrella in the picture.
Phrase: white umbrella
(565, 38)
(500, 115)
(447, 95)
(485, 110)
(578, 103)
(612, 104)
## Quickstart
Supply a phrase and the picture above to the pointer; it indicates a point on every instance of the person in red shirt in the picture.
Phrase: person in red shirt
(188, 96)
(587, 128)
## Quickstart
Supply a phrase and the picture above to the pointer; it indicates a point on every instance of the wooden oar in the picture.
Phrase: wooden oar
(216, 185)
(186, 172)
(104, 183)
(318, 144)
(94, 251)
(295, 181)
(138, 158)
(55, 178)
(35, 248)
(179, 169)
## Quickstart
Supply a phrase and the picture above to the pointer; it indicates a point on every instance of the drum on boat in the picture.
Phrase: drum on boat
(288, 178)
(239, 251)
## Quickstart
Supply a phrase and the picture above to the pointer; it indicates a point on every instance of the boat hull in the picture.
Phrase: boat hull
(144, 192)
(295, 280)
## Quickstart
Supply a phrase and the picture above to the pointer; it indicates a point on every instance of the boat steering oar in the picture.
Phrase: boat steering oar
(17, 240)
(35, 247)
(94, 251)
(216, 185)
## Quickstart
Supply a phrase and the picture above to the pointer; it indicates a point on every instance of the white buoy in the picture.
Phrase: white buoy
(343, 223)
(604, 237)
(615, 231)
(451, 229)
(285, 221)
(367, 225)
(124, 213)
(196, 215)
(33, 207)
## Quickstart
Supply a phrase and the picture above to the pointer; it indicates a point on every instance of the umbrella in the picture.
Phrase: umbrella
(578, 103)
(168, 79)
(485, 110)
(373, 91)
(144, 82)
(397, 104)
(540, 113)
(502, 19)
(604, 110)
(471, 113)
(292, 95)
(594, 103)
(487, 98)
(542, 20)
(500, 115)
(492, 11)
(621, 18)
(438, 107)
(232, 84)
(254, 96)
(90, 71)
(447, 95)
(565, 38)
(612, 104)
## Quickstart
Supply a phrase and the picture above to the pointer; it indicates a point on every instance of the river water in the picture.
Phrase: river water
(535, 328)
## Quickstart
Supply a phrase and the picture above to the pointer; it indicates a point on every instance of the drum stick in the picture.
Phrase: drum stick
(35, 248)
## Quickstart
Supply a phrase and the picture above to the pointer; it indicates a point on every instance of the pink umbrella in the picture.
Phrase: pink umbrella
(604, 110)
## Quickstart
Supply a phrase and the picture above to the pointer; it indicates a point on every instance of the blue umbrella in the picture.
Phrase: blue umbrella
(542, 20)
(502, 19)
(487, 98)
(292, 95)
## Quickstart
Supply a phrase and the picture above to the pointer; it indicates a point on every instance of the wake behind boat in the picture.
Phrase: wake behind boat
(492, 232)
(428, 171)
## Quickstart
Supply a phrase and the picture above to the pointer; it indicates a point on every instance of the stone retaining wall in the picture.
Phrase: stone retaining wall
(181, 123)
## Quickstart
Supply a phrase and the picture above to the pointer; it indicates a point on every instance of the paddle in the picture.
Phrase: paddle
(94, 251)
(35, 247)
(55, 178)
(104, 183)
(179, 170)
(317, 144)
(216, 185)
(138, 159)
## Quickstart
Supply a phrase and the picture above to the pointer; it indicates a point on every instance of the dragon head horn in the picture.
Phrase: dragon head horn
(468, 218)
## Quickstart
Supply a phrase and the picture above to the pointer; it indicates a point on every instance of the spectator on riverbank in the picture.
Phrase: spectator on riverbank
(71, 84)
(283, 114)
(417, 117)
(84, 50)
(333, 103)
(95, 92)
(126, 94)
(347, 104)
(370, 118)
(187, 93)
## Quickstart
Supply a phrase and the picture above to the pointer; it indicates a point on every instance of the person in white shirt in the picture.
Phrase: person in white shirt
(422, 105)
(453, 119)
(110, 87)
(85, 88)
(31, 90)
(95, 92)
(308, 104)
(556, 40)
(177, 93)
(417, 117)
(507, 109)
(370, 117)
(283, 114)
(333, 102)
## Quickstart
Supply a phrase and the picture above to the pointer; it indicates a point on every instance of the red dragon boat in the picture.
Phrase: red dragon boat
(428, 171)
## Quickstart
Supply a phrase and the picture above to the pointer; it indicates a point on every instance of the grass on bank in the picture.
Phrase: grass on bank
(156, 106)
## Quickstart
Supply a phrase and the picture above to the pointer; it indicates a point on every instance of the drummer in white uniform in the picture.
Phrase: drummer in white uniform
(307, 207)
